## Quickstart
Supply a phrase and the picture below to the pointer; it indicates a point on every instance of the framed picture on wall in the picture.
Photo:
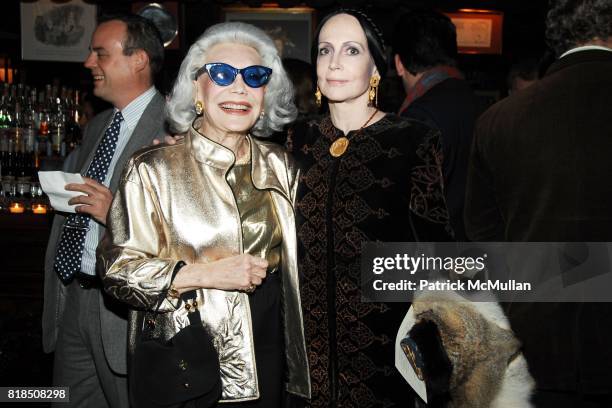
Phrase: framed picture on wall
(478, 31)
(56, 31)
(290, 28)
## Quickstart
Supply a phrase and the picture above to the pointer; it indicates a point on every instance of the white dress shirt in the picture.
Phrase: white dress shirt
(131, 115)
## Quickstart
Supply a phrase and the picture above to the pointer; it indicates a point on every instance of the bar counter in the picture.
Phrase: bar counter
(23, 239)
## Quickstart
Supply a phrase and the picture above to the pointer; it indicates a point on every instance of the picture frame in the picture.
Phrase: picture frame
(478, 31)
(290, 28)
(53, 31)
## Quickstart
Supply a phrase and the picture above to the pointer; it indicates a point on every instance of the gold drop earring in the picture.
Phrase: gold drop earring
(373, 91)
(199, 108)
(318, 97)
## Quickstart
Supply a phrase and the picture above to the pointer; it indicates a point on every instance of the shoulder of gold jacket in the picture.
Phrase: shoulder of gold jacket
(174, 203)
(270, 158)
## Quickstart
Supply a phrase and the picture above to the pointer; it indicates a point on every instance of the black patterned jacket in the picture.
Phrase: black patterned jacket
(390, 172)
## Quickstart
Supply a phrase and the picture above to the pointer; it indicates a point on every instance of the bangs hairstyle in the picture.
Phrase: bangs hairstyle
(374, 37)
(278, 98)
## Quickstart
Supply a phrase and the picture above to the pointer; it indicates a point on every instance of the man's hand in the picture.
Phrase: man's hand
(96, 201)
(169, 139)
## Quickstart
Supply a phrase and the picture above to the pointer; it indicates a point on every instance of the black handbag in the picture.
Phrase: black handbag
(182, 372)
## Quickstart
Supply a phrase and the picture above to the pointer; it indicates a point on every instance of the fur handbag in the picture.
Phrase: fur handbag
(183, 372)
(467, 354)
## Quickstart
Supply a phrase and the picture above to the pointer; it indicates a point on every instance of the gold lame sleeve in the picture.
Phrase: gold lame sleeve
(129, 256)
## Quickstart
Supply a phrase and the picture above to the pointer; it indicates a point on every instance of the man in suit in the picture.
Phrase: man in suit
(425, 49)
(538, 172)
(85, 328)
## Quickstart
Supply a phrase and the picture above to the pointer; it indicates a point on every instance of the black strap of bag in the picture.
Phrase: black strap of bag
(181, 372)
(187, 296)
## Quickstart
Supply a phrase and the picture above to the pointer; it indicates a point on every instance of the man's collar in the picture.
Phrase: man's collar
(133, 111)
(584, 56)
(585, 48)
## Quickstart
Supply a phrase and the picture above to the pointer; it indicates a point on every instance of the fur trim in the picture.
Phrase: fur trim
(517, 386)
(490, 310)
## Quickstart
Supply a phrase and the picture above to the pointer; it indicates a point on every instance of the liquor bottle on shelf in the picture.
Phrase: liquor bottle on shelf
(73, 129)
(8, 174)
(16, 129)
(43, 130)
(57, 129)
(41, 127)
(5, 119)
(22, 174)
(5, 158)
(30, 127)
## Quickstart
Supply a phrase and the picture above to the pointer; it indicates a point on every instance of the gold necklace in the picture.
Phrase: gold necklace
(338, 148)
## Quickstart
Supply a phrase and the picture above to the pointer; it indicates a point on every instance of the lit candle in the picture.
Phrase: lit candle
(16, 208)
(39, 209)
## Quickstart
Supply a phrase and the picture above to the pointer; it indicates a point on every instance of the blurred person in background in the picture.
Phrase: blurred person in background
(537, 171)
(425, 52)
(523, 74)
(303, 78)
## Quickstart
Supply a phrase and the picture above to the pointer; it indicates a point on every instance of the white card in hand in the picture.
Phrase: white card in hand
(53, 183)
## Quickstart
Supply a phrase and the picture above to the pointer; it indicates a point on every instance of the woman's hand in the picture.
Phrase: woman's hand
(239, 272)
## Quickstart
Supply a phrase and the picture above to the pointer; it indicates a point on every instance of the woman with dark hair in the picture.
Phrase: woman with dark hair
(367, 176)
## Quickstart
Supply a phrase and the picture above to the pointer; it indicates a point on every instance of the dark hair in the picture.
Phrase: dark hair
(573, 22)
(527, 69)
(423, 39)
(303, 78)
(142, 34)
(374, 37)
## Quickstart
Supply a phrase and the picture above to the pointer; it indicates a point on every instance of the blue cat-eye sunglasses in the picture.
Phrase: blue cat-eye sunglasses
(222, 74)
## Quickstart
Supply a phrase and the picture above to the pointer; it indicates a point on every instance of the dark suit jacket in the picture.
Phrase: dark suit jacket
(540, 171)
(114, 324)
(451, 107)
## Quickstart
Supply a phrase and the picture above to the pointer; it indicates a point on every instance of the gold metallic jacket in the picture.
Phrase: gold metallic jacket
(175, 204)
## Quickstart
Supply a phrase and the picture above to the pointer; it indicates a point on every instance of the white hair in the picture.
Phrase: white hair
(278, 99)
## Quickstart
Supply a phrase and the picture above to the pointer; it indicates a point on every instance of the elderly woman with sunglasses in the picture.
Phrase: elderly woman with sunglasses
(214, 213)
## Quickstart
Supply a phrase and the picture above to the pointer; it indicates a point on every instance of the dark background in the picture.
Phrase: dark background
(23, 238)
(523, 35)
